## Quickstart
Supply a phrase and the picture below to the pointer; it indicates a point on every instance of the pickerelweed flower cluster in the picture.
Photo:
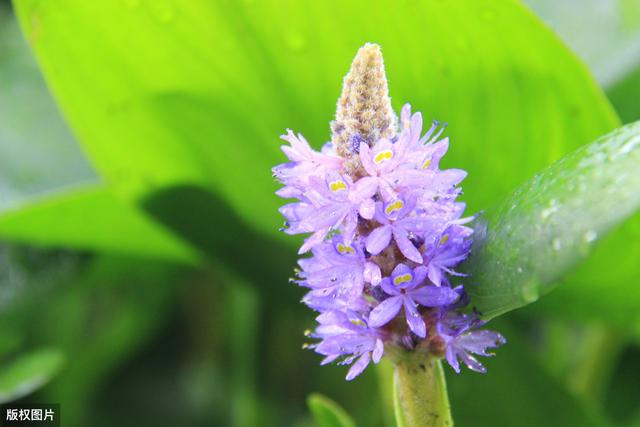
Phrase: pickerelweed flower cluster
(386, 232)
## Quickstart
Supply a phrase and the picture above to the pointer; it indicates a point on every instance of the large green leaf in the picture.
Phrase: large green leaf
(162, 93)
(551, 222)
(37, 152)
(179, 103)
(28, 373)
(327, 413)
(91, 218)
(625, 94)
(605, 33)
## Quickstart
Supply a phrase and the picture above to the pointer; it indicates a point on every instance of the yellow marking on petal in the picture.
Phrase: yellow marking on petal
(383, 156)
(404, 278)
(357, 322)
(444, 239)
(426, 163)
(345, 249)
(336, 186)
(394, 207)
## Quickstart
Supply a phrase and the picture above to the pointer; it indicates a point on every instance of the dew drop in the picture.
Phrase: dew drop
(530, 292)
(629, 146)
(589, 236)
(553, 208)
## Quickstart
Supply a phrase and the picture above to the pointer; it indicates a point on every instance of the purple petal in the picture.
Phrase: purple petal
(326, 216)
(405, 245)
(419, 274)
(365, 188)
(379, 239)
(449, 178)
(385, 311)
(367, 209)
(405, 114)
(378, 351)
(439, 150)
(472, 363)
(365, 158)
(359, 366)
(349, 228)
(434, 296)
(314, 239)
(329, 359)
(452, 358)
(435, 275)
(389, 287)
(288, 192)
(415, 321)
(372, 273)
(401, 270)
(479, 341)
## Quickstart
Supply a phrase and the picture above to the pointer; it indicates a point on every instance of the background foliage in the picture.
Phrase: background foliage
(142, 277)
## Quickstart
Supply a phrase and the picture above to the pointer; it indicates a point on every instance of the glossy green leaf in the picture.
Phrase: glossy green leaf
(191, 97)
(37, 152)
(165, 93)
(552, 221)
(28, 373)
(604, 33)
(327, 413)
(9, 340)
(91, 218)
(625, 94)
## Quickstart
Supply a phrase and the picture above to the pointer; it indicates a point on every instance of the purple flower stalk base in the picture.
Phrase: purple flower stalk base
(386, 232)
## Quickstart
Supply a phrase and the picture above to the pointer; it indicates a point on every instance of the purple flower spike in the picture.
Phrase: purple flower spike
(385, 232)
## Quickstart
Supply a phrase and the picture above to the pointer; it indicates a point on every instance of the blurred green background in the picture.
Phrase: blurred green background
(142, 277)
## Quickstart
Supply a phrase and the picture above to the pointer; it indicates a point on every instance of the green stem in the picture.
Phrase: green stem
(420, 392)
(384, 371)
(599, 349)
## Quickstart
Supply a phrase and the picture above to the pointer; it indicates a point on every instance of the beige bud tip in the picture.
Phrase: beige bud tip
(364, 112)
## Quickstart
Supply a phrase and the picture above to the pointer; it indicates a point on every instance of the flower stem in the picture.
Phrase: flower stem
(599, 350)
(420, 392)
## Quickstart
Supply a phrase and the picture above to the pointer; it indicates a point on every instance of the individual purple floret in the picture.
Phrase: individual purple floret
(386, 232)
(406, 289)
(346, 336)
(457, 332)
